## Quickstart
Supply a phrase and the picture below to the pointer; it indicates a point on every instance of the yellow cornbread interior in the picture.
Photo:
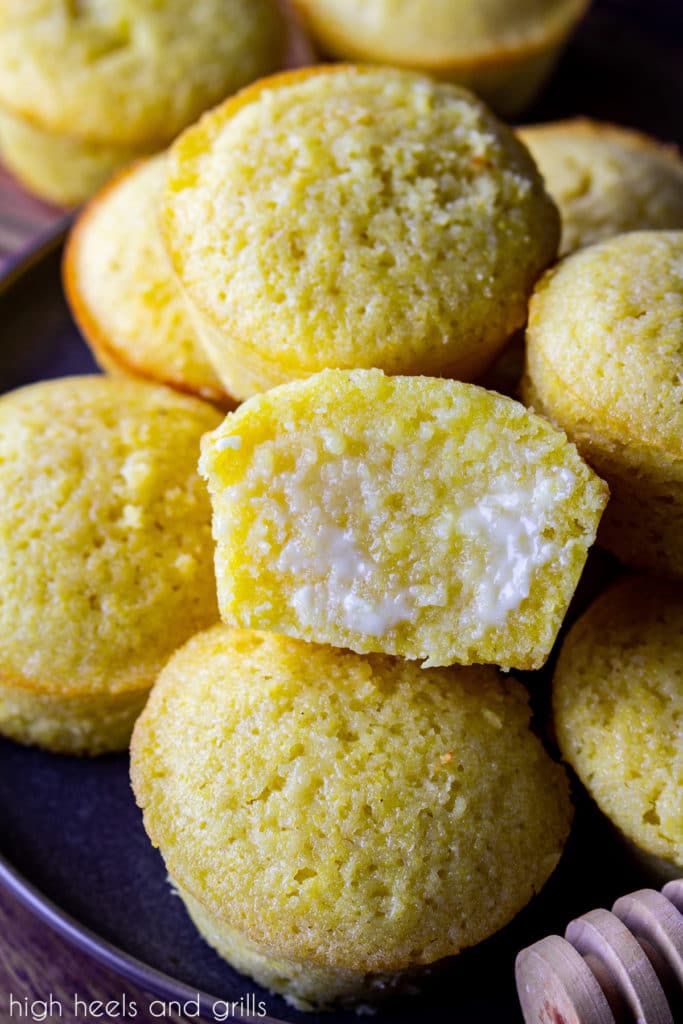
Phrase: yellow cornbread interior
(606, 180)
(618, 705)
(354, 217)
(105, 543)
(123, 292)
(333, 816)
(411, 516)
(130, 71)
(437, 31)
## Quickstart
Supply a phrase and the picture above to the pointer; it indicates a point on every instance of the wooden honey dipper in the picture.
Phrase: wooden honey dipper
(624, 967)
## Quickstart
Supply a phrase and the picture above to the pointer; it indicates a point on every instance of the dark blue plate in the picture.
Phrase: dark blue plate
(72, 846)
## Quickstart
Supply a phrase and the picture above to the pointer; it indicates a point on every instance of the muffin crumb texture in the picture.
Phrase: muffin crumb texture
(410, 516)
(105, 554)
(355, 217)
(604, 361)
(335, 820)
(618, 705)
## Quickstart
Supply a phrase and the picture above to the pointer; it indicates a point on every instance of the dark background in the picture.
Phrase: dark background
(624, 65)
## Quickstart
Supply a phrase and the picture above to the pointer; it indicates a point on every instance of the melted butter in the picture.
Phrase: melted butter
(506, 536)
(334, 567)
(332, 556)
(506, 532)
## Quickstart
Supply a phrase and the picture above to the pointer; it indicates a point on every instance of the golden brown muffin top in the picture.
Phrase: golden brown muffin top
(618, 704)
(605, 341)
(606, 179)
(131, 70)
(105, 540)
(353, 811)
(354, 216)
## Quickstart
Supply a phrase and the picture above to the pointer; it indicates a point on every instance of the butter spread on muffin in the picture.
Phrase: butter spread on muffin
(411, 516)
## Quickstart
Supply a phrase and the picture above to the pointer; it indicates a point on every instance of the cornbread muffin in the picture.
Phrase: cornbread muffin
(403, 515)
(604, 351)
(86, 87)
(122, 290)
(503, 51)
(354, 217)
(334, 820)
(618, 706)
(58, 168)
(606, 179)
(105, 554)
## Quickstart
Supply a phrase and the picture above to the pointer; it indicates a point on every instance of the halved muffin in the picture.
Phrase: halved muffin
(405, 515)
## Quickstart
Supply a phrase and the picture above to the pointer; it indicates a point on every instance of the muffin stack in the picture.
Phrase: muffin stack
(343, 785)
(380, 515)
(604, 362)
(334, 816)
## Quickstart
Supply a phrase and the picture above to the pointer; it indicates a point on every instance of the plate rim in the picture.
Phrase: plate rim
(87, 941)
